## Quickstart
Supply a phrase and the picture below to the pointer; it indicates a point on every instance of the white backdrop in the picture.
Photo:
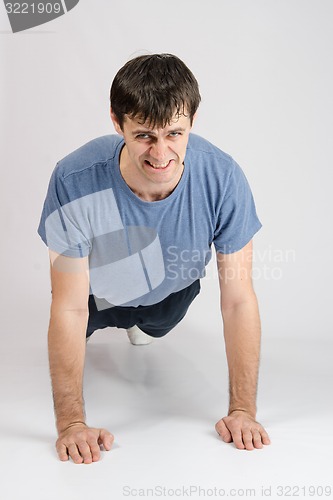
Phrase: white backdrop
(265, 74)
(266, 78)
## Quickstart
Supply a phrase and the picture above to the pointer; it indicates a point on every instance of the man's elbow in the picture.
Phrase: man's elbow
(60, 308)
(230, 304)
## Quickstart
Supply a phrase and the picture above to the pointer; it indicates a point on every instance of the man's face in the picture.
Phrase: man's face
(154, 156)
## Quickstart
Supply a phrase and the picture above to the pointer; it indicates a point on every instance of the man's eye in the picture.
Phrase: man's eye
(142, 136)
(174, 134)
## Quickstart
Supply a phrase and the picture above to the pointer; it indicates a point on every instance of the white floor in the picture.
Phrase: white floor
(161, 402)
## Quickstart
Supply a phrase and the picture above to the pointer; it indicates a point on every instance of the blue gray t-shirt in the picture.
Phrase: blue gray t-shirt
(140, 252)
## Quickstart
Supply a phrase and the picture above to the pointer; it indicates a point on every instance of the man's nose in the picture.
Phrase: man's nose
(158, 150)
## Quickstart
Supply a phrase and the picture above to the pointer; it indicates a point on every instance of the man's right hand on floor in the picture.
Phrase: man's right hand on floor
(82, 443)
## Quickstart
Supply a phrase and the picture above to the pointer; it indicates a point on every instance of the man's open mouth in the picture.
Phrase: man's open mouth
(158, 166)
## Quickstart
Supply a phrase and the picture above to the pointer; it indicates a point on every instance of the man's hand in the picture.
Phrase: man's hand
(82, 443)
(241, 428)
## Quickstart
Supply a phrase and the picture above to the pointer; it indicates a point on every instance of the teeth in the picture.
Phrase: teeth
(161, 165)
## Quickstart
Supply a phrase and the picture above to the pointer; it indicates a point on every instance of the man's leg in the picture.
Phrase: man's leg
(144, 322)
(119, 317)
(159, 319)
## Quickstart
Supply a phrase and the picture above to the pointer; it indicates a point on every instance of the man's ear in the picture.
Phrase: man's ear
(115, 122)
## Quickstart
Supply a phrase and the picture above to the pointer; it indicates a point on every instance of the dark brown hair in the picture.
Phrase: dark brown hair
(154, 88)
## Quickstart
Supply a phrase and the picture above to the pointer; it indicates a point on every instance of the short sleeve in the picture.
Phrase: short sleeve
(237, 220)
(59, 226)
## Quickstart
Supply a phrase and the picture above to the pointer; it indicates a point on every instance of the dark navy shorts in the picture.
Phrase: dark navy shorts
(155, 320)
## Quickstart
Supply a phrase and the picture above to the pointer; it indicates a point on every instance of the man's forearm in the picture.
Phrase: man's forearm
(242, 334)
(66, 343)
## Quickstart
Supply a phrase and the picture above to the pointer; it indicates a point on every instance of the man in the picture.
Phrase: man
(129, 220)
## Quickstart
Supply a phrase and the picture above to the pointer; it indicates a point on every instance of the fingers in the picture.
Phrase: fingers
(244, 432)
(257, 440)
(244, 440)
(88, 450)
(106, 439)
(223, 431)
(73, 452)
(69, 450)
(265, 437)
(82, 446)
(94, 450)
(62, 452)
(235, 433)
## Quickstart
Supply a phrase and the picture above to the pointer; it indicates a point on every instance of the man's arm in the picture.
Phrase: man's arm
(242, 340)
(66, 344)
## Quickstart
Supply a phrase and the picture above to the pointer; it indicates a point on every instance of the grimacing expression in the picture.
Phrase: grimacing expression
(156, 155)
